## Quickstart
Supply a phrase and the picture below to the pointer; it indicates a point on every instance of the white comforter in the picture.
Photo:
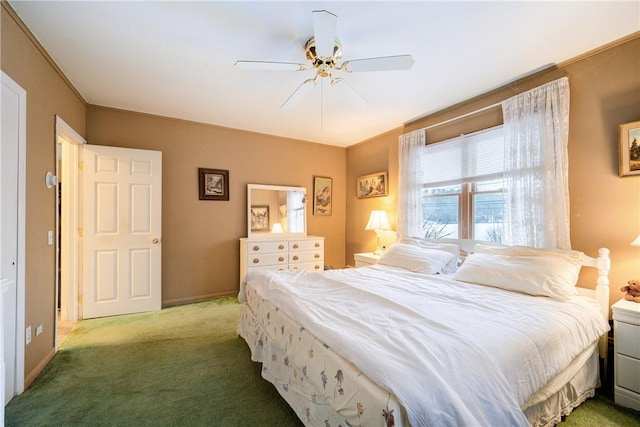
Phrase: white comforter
(453, 353)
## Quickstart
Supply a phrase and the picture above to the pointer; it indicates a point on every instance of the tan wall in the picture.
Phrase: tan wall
(376, 155)
(200, 246)
(48, 95)
(605, 209)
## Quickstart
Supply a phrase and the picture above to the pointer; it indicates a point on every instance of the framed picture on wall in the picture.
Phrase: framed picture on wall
(260, 218)
(373, 185)
(322, 195)
(629, 140)
(213, 184)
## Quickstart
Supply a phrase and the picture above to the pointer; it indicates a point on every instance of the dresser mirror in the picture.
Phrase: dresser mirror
(276, 209)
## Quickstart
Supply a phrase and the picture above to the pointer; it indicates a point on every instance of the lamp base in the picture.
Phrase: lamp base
(378, 250)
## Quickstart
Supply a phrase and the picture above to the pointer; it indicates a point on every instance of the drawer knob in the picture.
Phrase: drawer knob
(317, 245)
(316, 256)
(295, 246)
(256, 248)
(281, 247)
(256, 260)
(317, 267)
(295, 258)
(281, 259)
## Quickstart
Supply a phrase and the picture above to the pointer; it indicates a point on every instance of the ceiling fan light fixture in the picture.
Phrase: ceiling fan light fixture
(324, 52)
(312, 56)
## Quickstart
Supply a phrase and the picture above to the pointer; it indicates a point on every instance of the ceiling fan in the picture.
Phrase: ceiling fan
(324, 52)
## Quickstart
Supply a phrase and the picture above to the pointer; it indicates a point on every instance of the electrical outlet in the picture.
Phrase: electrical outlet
(28, 335)
(39, 329)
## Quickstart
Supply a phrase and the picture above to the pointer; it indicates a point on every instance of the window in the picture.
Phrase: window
(462, 194)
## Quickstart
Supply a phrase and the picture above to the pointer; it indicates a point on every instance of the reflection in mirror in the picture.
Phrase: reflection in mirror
(275, 209)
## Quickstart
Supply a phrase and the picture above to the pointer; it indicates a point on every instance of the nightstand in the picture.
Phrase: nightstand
(626, 338)
(365, 259)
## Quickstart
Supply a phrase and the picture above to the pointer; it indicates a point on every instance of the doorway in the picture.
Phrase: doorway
(68, 143)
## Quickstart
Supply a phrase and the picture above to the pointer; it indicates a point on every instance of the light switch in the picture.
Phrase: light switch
(50, 237)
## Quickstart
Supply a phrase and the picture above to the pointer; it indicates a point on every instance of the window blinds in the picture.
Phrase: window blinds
(472, 157)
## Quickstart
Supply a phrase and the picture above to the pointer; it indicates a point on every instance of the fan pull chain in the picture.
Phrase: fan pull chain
(321, 104)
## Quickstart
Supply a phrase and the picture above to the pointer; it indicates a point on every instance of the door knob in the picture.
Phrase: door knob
(155, 241)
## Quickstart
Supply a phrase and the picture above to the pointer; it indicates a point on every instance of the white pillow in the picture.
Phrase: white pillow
(541, 272)
(452, 248)
(415, 258)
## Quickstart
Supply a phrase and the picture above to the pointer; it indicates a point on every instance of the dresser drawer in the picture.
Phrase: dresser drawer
(628, 372)
(268, 247)
(306, 245)
(310, 256)
(311, 266)
(627, 339)
(279, 267)
(267, 259)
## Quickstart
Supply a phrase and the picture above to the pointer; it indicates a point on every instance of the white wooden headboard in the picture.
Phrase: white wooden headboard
(601, 293)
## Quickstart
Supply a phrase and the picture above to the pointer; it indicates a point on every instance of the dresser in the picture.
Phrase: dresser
(281, 253)
(626, 336)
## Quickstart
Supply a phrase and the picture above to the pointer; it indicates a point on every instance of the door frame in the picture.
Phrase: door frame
(18, 379)
(68, 220)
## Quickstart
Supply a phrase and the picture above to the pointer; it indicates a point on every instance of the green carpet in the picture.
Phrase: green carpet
(182, 366)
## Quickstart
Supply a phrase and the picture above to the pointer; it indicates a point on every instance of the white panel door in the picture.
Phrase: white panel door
(9, 161)
(121, 242)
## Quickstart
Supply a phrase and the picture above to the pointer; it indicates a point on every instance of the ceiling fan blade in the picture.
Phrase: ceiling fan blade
(324, 32)
(268, 65)
(383, 63)
(298, 94)
(348, 93)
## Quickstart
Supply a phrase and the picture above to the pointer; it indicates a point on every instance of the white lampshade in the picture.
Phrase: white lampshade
(378, 221)
(636, 242)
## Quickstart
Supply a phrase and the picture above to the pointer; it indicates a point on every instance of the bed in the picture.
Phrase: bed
(437, 333)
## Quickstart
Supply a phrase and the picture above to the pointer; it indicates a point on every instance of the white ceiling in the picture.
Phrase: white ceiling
(176, 59)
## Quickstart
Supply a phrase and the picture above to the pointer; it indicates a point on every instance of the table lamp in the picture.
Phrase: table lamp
(378, 222)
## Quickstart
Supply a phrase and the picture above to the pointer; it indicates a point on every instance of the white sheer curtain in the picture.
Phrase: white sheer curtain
(536, 130)
(410, 174)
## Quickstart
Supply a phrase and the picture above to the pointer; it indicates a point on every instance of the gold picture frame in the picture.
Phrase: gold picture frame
(629, 140)
(372, 185)
(322, 195)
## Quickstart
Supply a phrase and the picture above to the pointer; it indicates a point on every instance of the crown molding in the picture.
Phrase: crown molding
(16, 18)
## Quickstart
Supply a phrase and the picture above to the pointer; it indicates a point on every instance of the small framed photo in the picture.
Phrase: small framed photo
(374, 185)
(322, 195)
(260, 218)
(213, 184)
(629, 140)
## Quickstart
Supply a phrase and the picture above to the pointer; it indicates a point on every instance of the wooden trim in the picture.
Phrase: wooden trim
(12, 13)
(481, 102)
(179, 301)
(599, 50)
(39, 368)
